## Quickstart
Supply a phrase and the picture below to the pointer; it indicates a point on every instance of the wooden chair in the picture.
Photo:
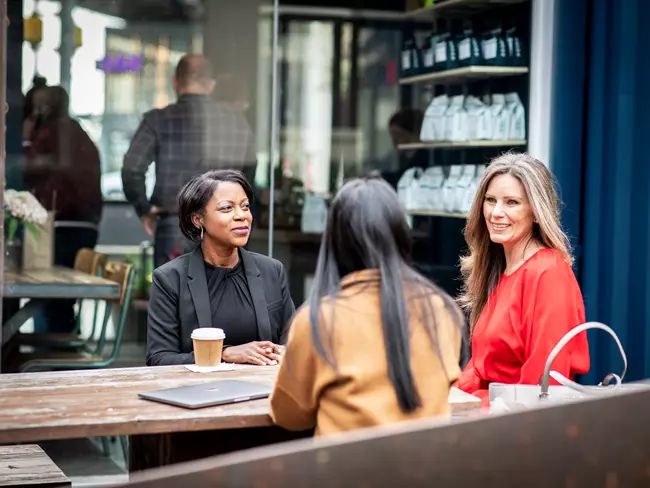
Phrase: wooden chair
(86, 261)
(122, 274)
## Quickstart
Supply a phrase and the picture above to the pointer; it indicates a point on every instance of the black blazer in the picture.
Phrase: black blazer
(179, 303)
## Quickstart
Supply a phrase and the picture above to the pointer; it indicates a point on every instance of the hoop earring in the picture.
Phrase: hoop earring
(201, 232)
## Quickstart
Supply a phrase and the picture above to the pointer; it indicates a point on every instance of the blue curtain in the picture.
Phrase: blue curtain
(601, 127)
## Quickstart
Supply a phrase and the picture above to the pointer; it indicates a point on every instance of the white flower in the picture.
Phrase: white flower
(25, 207)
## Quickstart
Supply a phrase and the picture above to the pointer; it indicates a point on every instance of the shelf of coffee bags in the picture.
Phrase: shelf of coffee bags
(459, 144)
(456, 7)
(437, 213)
(464, 74)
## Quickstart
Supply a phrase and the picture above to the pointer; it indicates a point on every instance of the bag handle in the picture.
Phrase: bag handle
(546, 377)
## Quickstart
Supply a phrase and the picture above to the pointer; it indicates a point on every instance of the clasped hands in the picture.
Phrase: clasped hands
(261, 353)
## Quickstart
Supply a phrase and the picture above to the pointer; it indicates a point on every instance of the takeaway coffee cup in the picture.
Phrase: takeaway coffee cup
(208, 344)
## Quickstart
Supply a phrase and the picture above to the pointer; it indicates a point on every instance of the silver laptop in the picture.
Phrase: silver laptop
(209, 394)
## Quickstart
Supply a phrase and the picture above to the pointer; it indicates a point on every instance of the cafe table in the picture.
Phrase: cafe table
(96, 403)
(41, 285)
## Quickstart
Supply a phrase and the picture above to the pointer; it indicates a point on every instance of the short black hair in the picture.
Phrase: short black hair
(409, 119)
(197, 192)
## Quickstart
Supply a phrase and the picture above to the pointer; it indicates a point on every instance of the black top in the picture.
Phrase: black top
(180, 302)
(231, 303)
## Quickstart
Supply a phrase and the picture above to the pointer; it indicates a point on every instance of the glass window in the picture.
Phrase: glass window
(117, 60)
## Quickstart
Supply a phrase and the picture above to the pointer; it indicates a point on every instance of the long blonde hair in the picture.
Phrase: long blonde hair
(483, 267)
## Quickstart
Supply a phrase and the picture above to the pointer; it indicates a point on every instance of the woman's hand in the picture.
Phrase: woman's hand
(261, 353)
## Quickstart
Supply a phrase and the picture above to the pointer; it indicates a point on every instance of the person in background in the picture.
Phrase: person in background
(519, 287)
(184, 139)
(29, 108)
(377, 342)
(219, 284)
(233, 92)
(404, 128)
(62, 169)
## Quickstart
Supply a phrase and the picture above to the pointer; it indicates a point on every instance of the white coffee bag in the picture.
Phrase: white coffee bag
(500, 118)
(517, 127)
(470, 191)
(431, 188)
(433, 125)
(464, 182)
(456, 125)
(449, 187)
(475, 112)
(408, 188)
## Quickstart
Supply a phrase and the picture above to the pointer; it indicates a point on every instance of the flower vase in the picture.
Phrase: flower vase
(13, 259)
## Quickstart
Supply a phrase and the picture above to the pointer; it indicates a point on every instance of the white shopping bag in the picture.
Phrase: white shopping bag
(505, 398)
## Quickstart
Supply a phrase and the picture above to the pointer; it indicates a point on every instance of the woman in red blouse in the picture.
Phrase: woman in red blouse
(519, 287)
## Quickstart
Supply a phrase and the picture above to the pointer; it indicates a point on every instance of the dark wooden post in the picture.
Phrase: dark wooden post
(4, 22)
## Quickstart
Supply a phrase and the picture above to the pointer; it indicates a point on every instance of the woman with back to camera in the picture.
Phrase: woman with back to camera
(62, 168)
(377, 343)
(219, 284)
(519, 287)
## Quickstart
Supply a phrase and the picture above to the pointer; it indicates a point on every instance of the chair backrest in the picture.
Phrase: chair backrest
(123, 274)
(601, 442)
(119, 272)
(89, 261)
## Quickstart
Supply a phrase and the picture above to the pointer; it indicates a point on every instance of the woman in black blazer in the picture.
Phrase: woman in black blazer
(219, 284)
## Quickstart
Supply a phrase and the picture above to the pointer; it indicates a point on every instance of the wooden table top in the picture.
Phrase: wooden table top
(96, 403)
(30, 466)
(57, 282)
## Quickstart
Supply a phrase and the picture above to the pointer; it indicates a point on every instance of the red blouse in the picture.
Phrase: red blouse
(524, 318)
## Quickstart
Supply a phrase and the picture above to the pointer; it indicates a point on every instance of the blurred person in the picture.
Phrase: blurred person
(32, 117)
(62, 168)
(233, 92)
(519, 288)
(377, 342)
(219, 284)
(404, 128)
(184, 139)
(29, 105)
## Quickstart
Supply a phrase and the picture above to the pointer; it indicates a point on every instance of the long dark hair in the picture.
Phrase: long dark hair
(28, 107)
(367, 229)
(56, 103)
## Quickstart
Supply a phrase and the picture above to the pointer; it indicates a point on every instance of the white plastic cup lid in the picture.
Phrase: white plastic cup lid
(208, 334)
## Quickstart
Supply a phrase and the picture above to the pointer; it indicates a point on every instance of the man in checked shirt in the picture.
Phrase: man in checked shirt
(186, 138)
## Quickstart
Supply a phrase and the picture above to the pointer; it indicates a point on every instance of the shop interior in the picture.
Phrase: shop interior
(370, 102)
(423, 96)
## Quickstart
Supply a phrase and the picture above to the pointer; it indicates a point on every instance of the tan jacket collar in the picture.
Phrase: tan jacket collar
(363, 276)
